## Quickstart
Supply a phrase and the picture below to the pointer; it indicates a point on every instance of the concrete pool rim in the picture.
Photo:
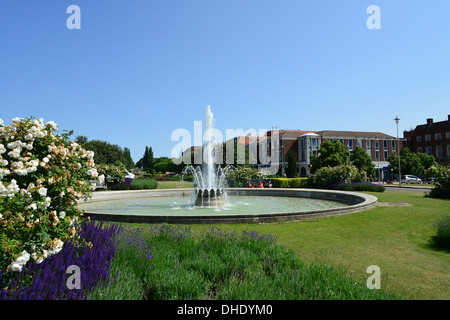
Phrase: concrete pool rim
(357, 202)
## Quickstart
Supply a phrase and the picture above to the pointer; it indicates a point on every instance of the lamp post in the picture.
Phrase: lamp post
(397, 119)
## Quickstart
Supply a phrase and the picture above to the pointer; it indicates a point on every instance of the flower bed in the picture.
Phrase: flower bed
(92, 254)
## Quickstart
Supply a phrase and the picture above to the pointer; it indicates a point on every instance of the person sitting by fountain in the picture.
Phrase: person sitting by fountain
(260, 185)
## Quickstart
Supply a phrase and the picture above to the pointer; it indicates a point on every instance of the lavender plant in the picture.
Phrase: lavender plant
(92, 252)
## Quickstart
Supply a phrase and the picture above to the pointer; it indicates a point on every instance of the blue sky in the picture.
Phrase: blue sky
(139, 69)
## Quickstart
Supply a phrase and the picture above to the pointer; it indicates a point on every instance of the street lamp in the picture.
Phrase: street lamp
(397, 119)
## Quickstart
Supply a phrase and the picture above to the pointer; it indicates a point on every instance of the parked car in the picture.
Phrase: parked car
(411, 179)
(431, 180)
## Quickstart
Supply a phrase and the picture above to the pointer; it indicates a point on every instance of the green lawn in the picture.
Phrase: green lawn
(395, 238)
(175, 184)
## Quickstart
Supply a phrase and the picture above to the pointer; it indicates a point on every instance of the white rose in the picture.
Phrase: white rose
(42, 191)
(16, 267)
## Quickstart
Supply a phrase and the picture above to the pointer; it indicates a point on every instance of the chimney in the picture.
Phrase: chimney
(429, 121)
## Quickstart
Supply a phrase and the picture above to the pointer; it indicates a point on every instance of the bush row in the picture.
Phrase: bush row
(136, 184)
(291, 182)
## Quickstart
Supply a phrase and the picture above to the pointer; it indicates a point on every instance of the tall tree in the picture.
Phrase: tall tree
(291, 171)
(147, 160)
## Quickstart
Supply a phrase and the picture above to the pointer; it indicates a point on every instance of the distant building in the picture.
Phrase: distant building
(377, 144)
(307, 143)
(432, 138)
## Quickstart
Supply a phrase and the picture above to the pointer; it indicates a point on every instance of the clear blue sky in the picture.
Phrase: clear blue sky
(139, 69)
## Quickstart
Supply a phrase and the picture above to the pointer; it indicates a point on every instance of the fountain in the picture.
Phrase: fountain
(209, 179)
(209, 201)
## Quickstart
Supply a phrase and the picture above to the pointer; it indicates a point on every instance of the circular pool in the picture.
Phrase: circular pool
(242, 205)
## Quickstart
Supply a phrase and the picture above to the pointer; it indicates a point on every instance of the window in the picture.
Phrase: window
(448, 151)
(419, 138)
(447, 136)
(377, 155)
(438, 152)
(268, 148)
(368, 148)
(313, 146)
(350, 144)
(359, 142)
(393, 145)
(377, 145)
(428, 151)
(385, 144)
(419, 150)
(341, 140)
(437, 136)
(428, 137)
(385, 154)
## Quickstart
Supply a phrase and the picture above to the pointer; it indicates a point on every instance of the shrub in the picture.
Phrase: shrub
(331, 177)
(442, 182)
(114, 173)
(139, 184)
(360, 186)
(281, 183)
(442, 236)
(42, 176)
(291, 182)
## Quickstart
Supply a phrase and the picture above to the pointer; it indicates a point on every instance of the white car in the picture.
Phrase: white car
(411, 179)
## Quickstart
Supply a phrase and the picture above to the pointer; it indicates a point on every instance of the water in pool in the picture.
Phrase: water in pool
(183, 205)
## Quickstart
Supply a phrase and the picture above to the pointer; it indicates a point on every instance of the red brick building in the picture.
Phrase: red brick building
(432, 138)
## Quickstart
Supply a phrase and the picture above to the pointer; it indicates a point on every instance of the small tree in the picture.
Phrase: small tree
(331, 154)
(292, 165)
(362, 161)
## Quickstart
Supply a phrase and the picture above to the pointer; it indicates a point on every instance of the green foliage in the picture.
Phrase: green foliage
(291, 182)
(330, 177)
(105, 152)
(113, 172)
(139, 184)
(442, 237)
(291, 171)
(332, 154)
(442, 182)
(220, 264)
(241, 174)
(362, 161)
(360, 186)
(411, 163)
(147, 159)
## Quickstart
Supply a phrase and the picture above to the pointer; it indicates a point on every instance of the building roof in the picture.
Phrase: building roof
(289, 133)
(431, 125)
(354, 134)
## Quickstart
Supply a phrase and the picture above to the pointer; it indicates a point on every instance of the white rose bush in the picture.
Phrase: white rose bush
(42, 176)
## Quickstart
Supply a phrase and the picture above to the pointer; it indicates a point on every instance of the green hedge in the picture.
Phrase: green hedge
(291, 182)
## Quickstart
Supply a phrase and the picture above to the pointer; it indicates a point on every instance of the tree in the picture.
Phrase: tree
(362, 161)
(331, 153)
(147, 159)
(292, 165)
(127, 160)
(105, 152)
(410, 163)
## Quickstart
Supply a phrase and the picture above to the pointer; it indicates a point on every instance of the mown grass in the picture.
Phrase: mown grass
(175, 184)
